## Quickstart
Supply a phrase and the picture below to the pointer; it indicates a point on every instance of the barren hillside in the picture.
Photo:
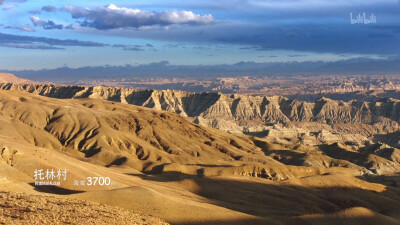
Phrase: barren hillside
(161, 164)
(11, 78)
(324, 121)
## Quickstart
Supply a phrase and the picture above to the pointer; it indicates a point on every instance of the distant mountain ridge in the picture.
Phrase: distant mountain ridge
(360, 65)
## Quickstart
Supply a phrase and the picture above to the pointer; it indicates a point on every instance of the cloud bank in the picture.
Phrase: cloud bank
(30, 42)
(164, 69)
(112, 17)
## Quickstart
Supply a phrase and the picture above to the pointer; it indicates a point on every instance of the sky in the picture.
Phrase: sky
(37, 34)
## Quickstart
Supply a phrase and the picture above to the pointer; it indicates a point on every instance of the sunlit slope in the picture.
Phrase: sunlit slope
(109, 133)
(165, 166)
(11, 78)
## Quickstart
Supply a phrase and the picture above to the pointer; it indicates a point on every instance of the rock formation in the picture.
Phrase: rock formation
(250, 114)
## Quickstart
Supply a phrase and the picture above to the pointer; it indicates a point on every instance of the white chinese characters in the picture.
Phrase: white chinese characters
(49, 176)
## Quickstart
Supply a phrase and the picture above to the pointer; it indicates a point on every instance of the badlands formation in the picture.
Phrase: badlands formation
(279, 119)
(282, 161)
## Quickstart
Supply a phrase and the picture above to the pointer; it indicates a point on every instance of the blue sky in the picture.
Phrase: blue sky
(48, 34)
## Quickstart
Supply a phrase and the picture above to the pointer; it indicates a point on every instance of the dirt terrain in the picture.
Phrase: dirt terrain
(17, 208)
(162, 165)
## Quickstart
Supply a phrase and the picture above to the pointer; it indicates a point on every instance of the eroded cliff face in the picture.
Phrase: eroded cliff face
(322, 121)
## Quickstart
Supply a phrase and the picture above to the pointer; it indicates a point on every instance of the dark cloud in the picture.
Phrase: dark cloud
(29, 46)
(111, 17)
(294, 56)
(287, 11)
(149, 45)
(318, 38)
(11, 40)
(303, 25)
(249, 48)
(49, 8)
(47, 25)
(118, 46)
(135, 48)
(37, 11)
(174, 46)
(69, 27)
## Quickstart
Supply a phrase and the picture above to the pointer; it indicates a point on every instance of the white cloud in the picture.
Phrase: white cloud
(112, 16)
(26, 28)
(21, 28)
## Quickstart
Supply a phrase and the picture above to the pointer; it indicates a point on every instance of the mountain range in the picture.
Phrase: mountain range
(165, 69)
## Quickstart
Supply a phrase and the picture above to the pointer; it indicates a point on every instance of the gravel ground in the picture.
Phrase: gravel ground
(17, 208)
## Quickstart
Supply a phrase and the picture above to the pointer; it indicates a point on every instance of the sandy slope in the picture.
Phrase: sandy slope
(11, 78)
(166, 167)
